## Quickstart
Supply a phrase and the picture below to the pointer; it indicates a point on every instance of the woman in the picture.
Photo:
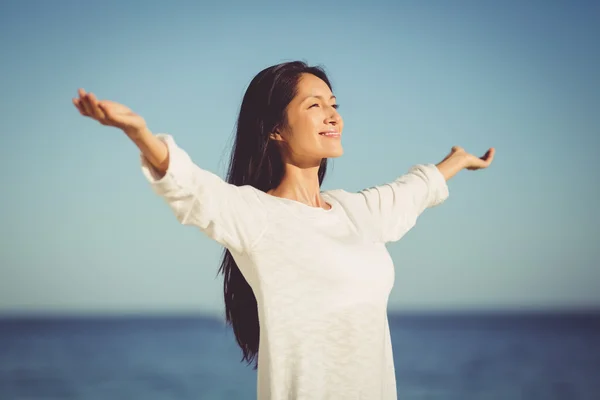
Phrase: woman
(306, 269)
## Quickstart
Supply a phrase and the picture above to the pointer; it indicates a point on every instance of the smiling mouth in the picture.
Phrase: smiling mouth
(330, 134)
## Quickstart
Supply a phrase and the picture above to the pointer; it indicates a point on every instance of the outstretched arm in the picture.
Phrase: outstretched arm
(231, 215)
(393, 208)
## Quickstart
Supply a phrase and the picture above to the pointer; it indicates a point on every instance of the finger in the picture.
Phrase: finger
(111, 116)
(489, 156)
(84, 102)
(483, 161)
(96, 111)
(106, 110)
(77, 104)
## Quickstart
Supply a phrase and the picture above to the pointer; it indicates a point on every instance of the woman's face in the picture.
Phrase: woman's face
(314, 128)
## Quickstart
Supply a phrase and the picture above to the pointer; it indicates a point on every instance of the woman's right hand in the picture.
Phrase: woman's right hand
(109, 113)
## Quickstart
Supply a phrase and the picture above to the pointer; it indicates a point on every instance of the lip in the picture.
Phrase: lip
(331, 133)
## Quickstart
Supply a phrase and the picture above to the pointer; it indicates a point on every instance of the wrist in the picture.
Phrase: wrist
(138, 133)
(452, 164)
(460, 159)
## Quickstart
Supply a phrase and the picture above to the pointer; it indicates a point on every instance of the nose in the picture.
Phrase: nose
(334, 117)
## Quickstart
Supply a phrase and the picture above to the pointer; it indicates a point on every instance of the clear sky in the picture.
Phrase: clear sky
(81, 231)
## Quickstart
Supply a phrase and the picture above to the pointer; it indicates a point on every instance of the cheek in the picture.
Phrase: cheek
(305, 139)
(306, 130)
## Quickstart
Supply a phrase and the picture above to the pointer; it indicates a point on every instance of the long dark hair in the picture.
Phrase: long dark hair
(256, 161)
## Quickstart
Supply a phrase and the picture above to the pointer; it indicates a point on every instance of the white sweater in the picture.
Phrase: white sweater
(321, 278)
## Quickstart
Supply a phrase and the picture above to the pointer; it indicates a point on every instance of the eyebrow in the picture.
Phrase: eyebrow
(318, 97)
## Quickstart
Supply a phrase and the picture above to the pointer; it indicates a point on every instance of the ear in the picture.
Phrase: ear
(275, 135)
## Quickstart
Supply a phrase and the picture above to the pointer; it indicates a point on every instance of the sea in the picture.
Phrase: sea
(500, 356)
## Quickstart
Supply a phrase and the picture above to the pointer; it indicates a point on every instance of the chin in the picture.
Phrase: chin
(334, 154)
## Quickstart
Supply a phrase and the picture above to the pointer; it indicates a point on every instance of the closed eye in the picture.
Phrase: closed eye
(336, 106)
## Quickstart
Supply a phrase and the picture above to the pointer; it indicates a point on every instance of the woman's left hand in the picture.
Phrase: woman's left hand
(459, 159)
(472, 162)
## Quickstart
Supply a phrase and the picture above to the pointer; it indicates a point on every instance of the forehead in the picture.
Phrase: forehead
(310, 85)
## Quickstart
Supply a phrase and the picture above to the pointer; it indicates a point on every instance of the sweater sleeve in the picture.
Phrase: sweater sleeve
(234, 216)
(393, 208)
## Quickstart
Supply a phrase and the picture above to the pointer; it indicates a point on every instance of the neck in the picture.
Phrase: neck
(300, 184)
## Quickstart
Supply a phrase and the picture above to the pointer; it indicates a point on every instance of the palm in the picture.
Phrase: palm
(108, 112)
(474, 162)
(121, 115)
(116, 108)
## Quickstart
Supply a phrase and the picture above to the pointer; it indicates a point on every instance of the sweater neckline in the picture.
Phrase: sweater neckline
(319, 210)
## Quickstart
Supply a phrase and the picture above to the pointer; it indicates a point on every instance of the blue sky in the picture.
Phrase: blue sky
(81, 230)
